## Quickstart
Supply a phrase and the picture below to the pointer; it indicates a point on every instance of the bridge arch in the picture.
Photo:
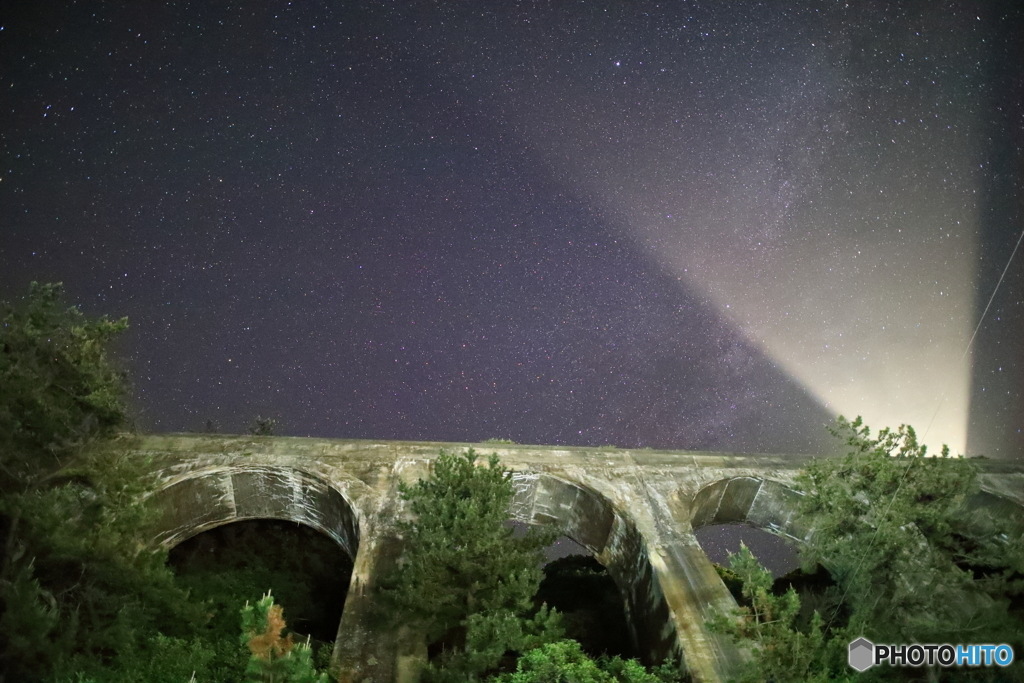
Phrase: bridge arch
(773, 506)
(210, 497)
(987, 503)
(633, 510)
(763, 503)
(591, 519)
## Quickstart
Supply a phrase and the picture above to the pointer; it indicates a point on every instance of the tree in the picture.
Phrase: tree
(77, 584)
(60, 391)
(263, 426)
(464, 576)
(275, 659)
(469, 581)
(767, 624)
(912, 563)
(565, 662)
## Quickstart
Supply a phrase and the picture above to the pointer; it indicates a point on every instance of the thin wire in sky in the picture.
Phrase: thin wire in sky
(976, 328)
(896, 493)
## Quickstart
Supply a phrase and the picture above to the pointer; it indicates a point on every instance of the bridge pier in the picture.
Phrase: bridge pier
(367, 649)
(694, 592)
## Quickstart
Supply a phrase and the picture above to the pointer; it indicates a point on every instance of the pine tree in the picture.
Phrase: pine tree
(565, 662)
(781, 652)
(60, 392)
(273, 658)
(464, 575)
(913, 563)
(263, 426)
(76, 582)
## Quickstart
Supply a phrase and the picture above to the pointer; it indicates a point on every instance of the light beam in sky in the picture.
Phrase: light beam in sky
(866, 301)
(822, 196)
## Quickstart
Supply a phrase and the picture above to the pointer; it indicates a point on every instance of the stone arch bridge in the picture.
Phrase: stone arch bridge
(635, 510)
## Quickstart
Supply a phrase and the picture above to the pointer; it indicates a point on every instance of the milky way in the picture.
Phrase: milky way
(683, 225)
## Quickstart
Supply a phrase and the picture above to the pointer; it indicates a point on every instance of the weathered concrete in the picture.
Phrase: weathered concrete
(634, 510)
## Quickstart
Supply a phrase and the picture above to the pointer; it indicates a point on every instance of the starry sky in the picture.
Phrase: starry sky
(689, 225)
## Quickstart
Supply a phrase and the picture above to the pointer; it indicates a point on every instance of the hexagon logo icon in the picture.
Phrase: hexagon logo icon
(862, 654)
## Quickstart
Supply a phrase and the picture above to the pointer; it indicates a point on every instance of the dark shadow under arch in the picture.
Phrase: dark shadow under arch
(307, 571)
(591, 604)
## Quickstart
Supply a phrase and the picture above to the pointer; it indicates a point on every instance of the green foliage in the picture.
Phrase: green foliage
(496, 440)
(731, 580)
(911, 564)
(60, 391)
(28, 622)
(589, 602)
(767, 624)
(161, 659)
(94, 582)
(273, 658)
(82, 594)
(167, 660)
(891, 525)
(76, 583)
(228, 566)
(464, 576)
(470, 582)
(460, 555)
(561, 661)
(564, 661)
(489, 638)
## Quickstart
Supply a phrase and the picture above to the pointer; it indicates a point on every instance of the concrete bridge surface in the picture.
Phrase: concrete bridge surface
(635, 510)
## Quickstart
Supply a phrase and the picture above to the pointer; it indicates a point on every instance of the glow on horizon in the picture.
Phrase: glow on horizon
(849, 342)
(871, 322)
(829, 213)
(866, 299)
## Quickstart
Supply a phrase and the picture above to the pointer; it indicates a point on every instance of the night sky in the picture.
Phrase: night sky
(674, 225)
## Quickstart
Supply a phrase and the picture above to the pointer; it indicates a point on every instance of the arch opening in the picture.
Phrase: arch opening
(307, 572)
(760, 514)
(756, 502)
(777, 554)
(591, 604)
(759, 509)
(231, 529)
(589, 519)
(589, 600)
